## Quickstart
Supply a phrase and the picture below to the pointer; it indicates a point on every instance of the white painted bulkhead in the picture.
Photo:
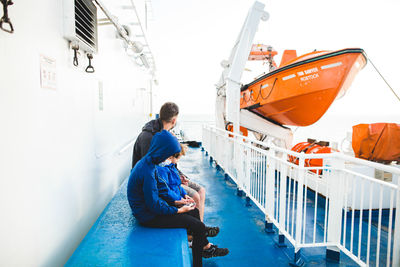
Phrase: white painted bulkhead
(60, 149)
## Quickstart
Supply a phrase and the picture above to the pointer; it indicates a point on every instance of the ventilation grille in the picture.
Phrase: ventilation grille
(86, 23)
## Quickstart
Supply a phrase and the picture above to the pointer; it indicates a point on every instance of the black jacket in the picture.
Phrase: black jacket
(143, 141)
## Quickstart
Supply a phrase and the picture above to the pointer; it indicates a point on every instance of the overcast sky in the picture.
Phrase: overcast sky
(190, 38)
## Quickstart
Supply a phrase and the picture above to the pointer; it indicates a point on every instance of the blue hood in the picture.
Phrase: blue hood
(163, 145)
(143, 194)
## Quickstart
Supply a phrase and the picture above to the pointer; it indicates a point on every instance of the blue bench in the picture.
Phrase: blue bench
(117, 239)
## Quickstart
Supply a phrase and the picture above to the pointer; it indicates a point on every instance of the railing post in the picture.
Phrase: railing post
(217, 147)
(239, 166)
(210, 140)
(299, 209)
(396, 240)
(336, 193)
(270, 190)
(248, 169)
(224, 155)
(207, 140)
(203, 138)
(230, 160)
(282, 200)
(214, 145)
(211, 149)
(208, 137)
(236, 162)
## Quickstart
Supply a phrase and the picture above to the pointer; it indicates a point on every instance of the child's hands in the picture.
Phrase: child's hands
(191, 200)
(184, 180)
(182, 201)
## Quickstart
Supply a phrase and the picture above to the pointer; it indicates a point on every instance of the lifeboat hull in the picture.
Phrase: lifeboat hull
(301, 91)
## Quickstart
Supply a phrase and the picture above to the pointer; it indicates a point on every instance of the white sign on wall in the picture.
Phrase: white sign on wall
(48, 75)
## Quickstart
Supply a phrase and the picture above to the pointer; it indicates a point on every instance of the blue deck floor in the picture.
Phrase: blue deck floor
(242, 227)
(116, 239)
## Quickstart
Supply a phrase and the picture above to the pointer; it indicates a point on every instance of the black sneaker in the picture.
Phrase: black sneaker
(212, 231)
(215, 251)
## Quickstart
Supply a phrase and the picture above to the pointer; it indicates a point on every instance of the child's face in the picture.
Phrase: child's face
(174, 160)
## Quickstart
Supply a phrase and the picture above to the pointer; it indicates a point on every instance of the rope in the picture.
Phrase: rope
(383, 77)
(244, 100)
(272, 89)
(259, 92)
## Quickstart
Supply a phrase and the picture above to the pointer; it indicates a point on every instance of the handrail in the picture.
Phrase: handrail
(314, 156)
(372, 179)
(369, 163)
(127, 146)
(284, 191)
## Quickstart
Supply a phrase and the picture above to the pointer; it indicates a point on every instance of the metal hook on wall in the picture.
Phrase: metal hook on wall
(89, 68)
(5, 19)
(75, 47)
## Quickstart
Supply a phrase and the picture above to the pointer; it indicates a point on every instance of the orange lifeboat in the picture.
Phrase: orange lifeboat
(301, 90)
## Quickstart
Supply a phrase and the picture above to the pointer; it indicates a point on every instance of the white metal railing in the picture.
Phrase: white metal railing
(337, 204)
(127, 146)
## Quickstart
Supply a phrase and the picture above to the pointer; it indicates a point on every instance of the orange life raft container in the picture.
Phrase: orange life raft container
(243, 130)
(378, 142)
(310, 147)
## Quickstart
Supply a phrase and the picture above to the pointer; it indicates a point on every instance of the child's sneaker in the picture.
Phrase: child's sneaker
(215, 251)
(212, 231)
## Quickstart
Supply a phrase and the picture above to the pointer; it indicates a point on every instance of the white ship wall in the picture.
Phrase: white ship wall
(60, 154)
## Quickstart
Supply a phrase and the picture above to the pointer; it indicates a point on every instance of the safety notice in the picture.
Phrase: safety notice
(48, 78)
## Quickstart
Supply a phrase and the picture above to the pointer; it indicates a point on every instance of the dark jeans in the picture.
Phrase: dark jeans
(189, 220)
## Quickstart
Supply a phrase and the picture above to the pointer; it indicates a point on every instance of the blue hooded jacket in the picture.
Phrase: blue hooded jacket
(169, 183)
(143, 195)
